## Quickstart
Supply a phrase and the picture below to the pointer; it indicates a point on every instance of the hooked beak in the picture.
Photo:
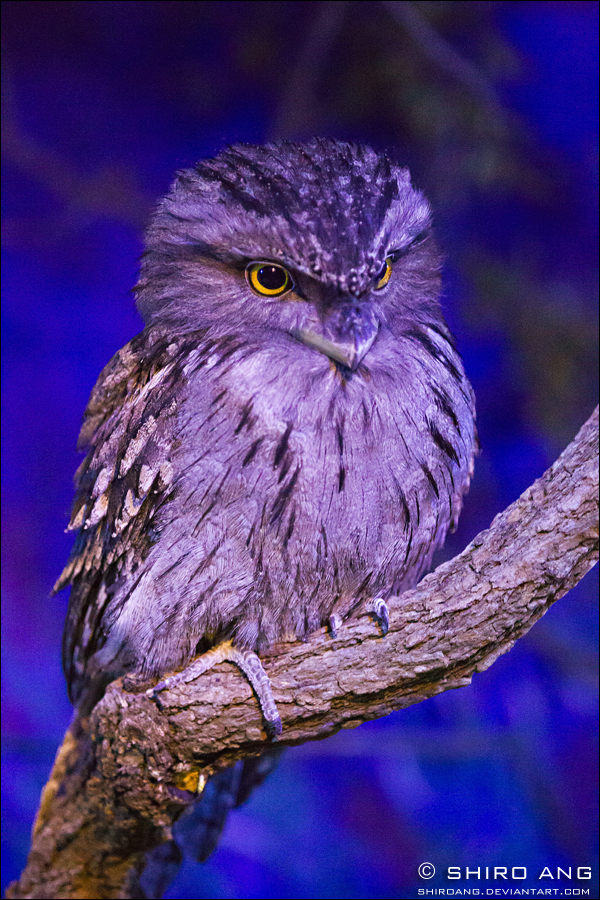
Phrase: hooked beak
(346, 333)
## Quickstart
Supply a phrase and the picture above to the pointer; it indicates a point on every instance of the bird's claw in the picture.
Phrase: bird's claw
(335, 623)
(378, 608)
(248, 662)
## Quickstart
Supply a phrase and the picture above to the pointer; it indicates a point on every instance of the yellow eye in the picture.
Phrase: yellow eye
(385, 274)
(268, 279)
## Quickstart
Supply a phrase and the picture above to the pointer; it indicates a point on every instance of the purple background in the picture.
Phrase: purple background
(103, 102)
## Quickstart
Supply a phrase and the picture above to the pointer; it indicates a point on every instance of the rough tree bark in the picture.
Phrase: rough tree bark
(122, 777)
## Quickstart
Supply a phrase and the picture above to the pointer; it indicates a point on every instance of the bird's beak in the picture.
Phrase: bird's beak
(345, 335)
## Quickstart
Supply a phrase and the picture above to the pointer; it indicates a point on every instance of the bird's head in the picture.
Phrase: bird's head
(322, 243)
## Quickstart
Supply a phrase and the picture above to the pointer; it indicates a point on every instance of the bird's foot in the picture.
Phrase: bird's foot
(335, 623)
(248, 662)
(378, 608)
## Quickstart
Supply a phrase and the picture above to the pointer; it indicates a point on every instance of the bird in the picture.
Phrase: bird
(288, 440)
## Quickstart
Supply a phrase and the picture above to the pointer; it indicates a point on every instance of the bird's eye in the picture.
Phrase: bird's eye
(268, 279)
(385, 274)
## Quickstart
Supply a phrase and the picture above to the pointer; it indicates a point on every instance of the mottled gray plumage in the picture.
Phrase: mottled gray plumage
(258, 464)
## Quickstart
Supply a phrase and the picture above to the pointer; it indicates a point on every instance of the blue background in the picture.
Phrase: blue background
(103, 101)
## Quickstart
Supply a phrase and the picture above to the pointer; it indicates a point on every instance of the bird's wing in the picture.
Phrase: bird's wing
(125, 478)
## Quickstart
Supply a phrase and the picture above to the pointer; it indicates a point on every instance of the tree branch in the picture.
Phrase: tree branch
(441, 52)
(297, 112)
(121, 779)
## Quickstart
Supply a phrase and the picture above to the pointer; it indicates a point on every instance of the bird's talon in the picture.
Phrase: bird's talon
(378, 608)
(273, 727)
(335, 623)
